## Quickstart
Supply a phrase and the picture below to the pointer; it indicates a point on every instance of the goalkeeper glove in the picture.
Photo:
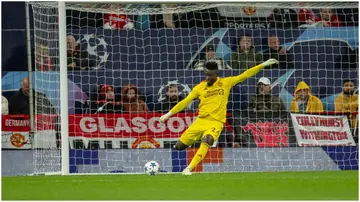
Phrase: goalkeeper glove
(165, 117)
(269, 62)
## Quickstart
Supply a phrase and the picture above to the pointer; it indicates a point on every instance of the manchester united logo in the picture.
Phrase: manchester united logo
(250, 11)
(145, 146)
(18, 140)
(145, 142)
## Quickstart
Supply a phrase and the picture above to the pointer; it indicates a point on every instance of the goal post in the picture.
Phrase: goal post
(63, 90)
(85, 50)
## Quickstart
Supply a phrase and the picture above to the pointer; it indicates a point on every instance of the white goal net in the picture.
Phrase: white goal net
(127, 64)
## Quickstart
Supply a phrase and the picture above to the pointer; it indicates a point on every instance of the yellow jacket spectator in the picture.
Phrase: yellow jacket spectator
(347, 101)
(304, 101)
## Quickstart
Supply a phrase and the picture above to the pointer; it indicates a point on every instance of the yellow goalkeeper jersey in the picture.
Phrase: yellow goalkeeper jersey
(214, 99)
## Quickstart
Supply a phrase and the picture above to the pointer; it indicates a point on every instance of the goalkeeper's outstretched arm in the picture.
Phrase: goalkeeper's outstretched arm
(180, 106)
(252, 71)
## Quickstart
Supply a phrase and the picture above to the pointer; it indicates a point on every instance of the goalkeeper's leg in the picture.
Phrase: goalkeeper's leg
(190, 137)
(210, 135)
(206, 142)
(180, 146)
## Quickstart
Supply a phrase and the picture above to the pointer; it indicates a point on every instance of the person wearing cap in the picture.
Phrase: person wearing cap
(263, 100)
(210, 56)
(107, 104)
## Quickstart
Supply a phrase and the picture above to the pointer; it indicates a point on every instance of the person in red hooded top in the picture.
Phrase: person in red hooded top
(131, 102)
(107, 103)
(117, 21)
(306, 16)
(328, 18)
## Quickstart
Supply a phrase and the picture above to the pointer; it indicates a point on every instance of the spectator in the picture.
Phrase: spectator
(263, 100)
(245, 56)
(304, 101)
(130, 100)
(117, 21)
(207, 18)
(210, 56)
(107, 104)
(4, 106)
(77, 59)
(43, 61)
(328, 19)
(347, 101)
(171, 99)
(19, 103)
(275, 51)
(306, 16)
(168, 18)
(283, 18)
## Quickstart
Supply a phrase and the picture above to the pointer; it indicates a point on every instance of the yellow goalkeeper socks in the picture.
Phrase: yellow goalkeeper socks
(199, 156)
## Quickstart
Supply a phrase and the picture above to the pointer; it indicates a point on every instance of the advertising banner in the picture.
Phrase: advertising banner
(15, 132)
(322, 130)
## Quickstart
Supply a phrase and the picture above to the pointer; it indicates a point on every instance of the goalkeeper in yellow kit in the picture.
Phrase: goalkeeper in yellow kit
(214, 95)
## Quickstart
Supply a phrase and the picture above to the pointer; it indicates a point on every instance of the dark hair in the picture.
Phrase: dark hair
(245, 35)
(241, 37)
(209, 48)
(273, 35)
(171, 86)
(348, 80)
(211, 65)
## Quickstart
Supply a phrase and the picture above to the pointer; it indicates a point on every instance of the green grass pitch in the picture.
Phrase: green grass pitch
(324, 185)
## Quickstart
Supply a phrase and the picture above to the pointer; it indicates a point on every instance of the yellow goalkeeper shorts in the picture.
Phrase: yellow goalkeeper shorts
(199, 129)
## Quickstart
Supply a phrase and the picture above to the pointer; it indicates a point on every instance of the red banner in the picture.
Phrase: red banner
(132, 130)
(269, 134)
(128, 130)
(267, 129)
(15, 132)
(18, 123)
(21, 123)
(128, 125)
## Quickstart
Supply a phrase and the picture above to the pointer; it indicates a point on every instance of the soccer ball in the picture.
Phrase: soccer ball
(152, 168)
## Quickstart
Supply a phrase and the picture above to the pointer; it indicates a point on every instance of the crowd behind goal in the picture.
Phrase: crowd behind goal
(246, 49)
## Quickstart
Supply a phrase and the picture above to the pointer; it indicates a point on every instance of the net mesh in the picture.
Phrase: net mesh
(154, 51)
(141, 9)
